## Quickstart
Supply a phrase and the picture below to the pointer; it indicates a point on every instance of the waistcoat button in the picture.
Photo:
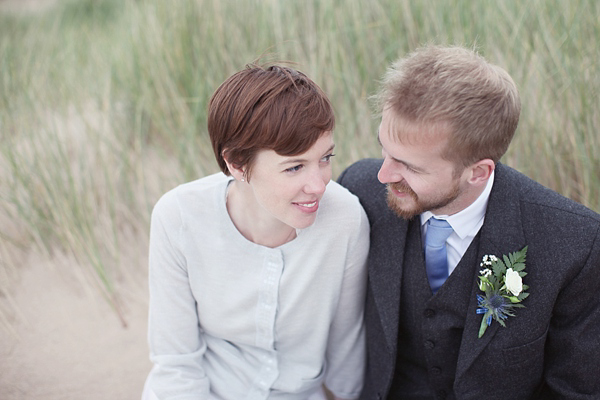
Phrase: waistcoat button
(429, 313)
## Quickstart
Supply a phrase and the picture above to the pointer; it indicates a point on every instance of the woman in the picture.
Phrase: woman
(257, 274)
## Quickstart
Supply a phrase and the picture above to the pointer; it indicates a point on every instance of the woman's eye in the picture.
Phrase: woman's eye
(327, 158)
(294, 168)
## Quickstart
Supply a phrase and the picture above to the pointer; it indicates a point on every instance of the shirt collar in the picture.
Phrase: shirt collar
(463, 222)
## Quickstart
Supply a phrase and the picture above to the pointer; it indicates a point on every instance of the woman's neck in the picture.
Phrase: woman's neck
(253, 221)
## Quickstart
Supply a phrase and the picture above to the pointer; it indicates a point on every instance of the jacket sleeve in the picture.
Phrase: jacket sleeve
(572, 354)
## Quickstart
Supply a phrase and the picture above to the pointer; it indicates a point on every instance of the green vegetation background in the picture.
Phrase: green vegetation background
(103, 103)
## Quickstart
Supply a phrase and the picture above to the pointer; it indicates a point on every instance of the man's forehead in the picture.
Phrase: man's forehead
(405, 131)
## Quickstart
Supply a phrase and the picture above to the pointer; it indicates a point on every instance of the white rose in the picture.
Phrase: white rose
(513, 281)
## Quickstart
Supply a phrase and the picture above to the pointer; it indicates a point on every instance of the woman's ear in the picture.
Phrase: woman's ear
(238, 172)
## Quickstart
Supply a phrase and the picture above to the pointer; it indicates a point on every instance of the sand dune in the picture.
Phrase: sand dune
(65, 342)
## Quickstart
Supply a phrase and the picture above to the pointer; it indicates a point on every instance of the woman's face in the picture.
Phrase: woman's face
(289, 188)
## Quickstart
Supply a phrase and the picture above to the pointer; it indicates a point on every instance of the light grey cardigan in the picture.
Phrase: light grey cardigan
(230, 319)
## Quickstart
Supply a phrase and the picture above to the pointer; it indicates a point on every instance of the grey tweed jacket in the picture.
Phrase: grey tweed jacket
(551, 348)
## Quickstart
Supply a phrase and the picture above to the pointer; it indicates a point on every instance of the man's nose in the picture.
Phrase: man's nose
(387, 174)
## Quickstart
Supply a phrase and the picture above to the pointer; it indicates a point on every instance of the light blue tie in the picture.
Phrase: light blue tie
(436, 262)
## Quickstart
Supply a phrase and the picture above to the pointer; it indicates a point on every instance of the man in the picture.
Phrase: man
(448, 116)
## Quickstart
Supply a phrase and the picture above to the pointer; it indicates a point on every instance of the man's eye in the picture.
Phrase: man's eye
(412, 170)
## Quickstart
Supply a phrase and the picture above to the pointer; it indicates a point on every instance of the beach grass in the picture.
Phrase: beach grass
(103, 102)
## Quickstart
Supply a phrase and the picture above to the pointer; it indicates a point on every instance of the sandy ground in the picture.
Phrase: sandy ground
(65, 342)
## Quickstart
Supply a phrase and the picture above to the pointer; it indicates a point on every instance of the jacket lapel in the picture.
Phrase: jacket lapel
(501, 233)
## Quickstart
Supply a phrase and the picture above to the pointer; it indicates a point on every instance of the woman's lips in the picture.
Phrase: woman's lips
(307, 207)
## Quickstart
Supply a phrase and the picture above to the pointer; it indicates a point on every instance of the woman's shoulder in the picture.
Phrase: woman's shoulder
(341, 219)
(339, 196)
(341, 206)
(195, 194)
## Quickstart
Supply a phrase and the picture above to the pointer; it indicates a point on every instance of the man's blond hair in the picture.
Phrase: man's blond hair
(458, 90)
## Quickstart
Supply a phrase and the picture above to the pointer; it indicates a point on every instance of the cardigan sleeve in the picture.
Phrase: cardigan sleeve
(176, 345)
(346, 353)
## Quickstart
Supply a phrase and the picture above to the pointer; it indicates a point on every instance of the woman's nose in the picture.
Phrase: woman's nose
(317, 182)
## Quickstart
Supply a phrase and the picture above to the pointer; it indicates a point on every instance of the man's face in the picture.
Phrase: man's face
(418, 178)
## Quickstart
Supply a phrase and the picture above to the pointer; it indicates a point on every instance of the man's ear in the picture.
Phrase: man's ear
(237, 171)
(481, 171)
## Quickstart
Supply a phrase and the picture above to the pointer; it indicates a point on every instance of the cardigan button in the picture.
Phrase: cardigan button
(429, 344)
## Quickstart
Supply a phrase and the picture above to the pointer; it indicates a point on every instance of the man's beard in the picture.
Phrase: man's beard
(418, 206)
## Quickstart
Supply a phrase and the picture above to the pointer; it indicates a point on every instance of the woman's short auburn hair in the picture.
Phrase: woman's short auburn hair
(266, 108)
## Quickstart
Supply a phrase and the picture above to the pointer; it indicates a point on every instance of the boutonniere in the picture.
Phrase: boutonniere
(501, 280)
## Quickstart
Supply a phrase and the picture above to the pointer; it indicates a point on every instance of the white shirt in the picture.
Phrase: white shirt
(231, 319)
(465, 224)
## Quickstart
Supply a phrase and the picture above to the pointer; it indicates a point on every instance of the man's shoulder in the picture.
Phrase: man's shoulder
(364, 168)
(360, 179)
(362, 175)
(535, 195)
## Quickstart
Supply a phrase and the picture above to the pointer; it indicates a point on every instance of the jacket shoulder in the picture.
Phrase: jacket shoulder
(533, 194)
(361, 180)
